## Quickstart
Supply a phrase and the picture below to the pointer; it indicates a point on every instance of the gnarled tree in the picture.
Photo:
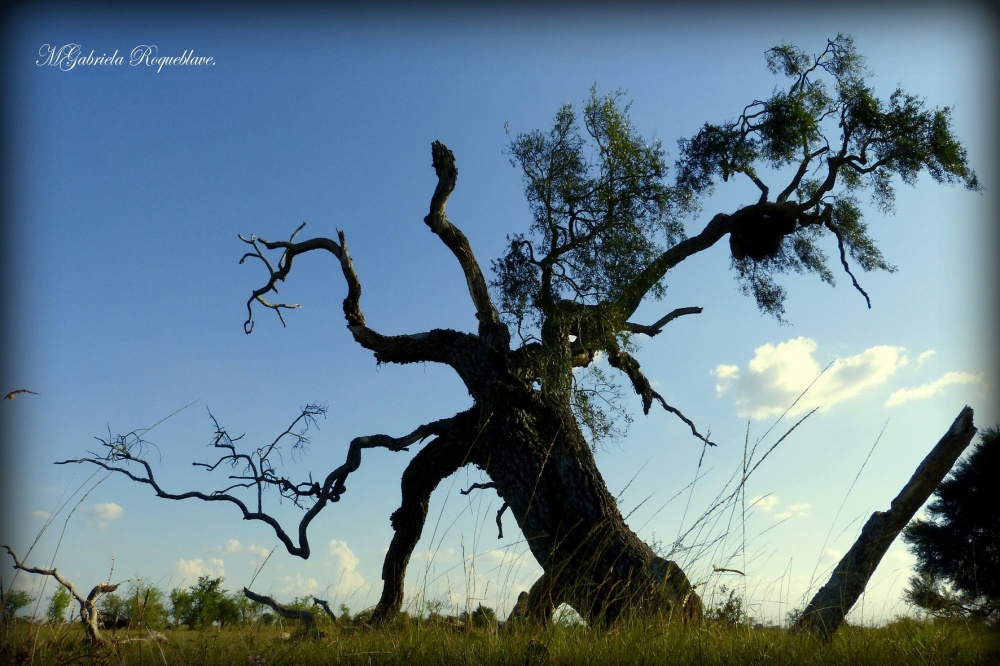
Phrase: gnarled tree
(607, 229)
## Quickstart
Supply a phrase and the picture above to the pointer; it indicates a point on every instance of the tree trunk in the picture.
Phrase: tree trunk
(545, 471)
(826, 612)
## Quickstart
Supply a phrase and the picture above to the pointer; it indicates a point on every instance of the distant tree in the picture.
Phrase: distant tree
(606, 227)
(958, 546)
(209, 603)
(114, 611)
(13, 601)
(56, 612)
(481, 617)
(145, 606)
(181, 605)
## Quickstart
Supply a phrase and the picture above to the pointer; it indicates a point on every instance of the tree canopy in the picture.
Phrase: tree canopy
(958, 546)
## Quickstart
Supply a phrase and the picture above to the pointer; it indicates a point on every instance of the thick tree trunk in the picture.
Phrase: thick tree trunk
(544, 470)
(826, 612)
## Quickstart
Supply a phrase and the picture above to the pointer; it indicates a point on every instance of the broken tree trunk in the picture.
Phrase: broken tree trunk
(826, 612)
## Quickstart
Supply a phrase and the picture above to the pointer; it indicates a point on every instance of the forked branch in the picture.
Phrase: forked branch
(89, 614)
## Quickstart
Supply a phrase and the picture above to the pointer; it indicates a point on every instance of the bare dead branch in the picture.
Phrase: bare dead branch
(627, 364)
(259, 475)
(478, 486)
(490, 326)
(843, 258)
(500, 513)
(656, 327)
(13, 394)
(289, 613)
(89, 614)
(325, 605)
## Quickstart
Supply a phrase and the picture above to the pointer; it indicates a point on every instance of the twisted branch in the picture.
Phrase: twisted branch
(490, 326)
(627, 364)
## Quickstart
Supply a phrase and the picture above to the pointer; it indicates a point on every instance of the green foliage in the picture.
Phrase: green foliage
(828, 121)
(112, 605)
(731, 610)
(13, 601)
(958, 547)
(481, 618)
(596, 402)
(181, 604)
(210, 604)
(601, 210)
(60, 601)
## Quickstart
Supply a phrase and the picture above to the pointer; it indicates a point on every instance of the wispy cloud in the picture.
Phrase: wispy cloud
(233, 546)
(794, 511)
(763, 502)
(778, 373)
(931, 389)
(39, 515)
(107, 511)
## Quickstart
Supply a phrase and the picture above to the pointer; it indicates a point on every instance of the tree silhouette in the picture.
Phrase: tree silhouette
(958, 546)
(608, 225)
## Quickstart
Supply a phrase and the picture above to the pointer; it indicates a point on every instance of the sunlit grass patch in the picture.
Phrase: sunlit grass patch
(409, 643)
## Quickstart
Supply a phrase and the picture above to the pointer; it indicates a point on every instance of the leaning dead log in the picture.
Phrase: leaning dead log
(290, 613)
(825, 613)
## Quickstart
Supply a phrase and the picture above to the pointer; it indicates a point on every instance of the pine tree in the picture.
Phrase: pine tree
(958, 546)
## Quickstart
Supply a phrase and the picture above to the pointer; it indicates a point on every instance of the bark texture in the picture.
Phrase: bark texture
(827, 609)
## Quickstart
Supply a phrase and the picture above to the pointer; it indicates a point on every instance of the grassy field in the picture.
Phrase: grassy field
(902, 642)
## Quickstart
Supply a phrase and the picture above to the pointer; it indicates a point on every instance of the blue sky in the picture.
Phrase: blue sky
(131, 186)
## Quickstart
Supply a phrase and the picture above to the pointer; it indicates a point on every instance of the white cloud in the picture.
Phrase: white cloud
(763, 503)
(794, 511)
(196, 568)
(298, 586)
(833, 554)
(346, 576)
(778, 374)
(924, 356)
(725, 375)
(233, 546)
(931, 389)
(107, 511)
(39, 515)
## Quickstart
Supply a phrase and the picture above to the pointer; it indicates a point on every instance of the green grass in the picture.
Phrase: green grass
(901, 642)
